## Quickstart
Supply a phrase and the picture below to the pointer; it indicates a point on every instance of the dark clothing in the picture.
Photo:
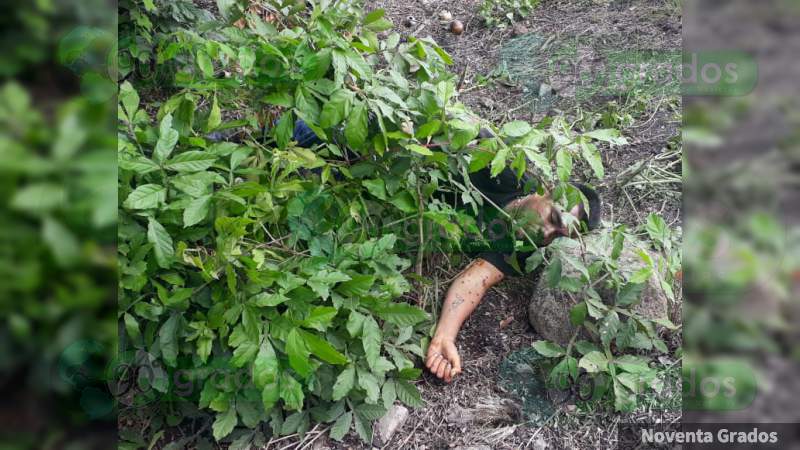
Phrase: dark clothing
(501, 190)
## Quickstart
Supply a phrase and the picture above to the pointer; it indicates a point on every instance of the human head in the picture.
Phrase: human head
(539, 215)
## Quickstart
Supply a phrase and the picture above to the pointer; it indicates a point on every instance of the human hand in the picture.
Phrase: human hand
(443, 359)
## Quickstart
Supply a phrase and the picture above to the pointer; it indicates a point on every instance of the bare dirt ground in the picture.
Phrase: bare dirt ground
(500, 326)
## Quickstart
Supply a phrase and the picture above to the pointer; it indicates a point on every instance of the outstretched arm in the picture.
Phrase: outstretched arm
(462, 298)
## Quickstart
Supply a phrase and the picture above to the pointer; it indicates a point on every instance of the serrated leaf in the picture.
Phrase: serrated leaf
(418, 149)
(162, 243)
(168, 340)
(516, 129)
(291, 392)
(265, 366)
(564, 165)
(594, 362)
(371, 340)
(356, 129)
(323, 350)
(345, 382)
(341, 426)
(167, 139)
(191, 161)
(247, 58)
(298, 353)
(611, 136)
(370, 384)
(402, 314)
(592, 156)
(62, 242)
(196, 211)
(578, 313)
(548, 349)
(224, 424)
(408, 394)
(205, 64)
(146, 196)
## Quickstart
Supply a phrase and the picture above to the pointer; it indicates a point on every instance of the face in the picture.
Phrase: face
(541, 212)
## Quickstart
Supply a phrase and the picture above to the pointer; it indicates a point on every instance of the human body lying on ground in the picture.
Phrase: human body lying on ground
(531, 209)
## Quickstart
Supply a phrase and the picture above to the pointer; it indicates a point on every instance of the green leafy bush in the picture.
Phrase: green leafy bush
(287, 262)
(501, 13)
(618, 369)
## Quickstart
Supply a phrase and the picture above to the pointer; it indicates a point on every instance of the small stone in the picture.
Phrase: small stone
(545, 90)
(445, 16)
(456, 27)
(539, 443)
(390, 423)
(408, 22)
(486, 102)
(519, 30)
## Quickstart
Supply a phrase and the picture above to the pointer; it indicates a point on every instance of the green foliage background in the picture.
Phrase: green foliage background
(253, 253)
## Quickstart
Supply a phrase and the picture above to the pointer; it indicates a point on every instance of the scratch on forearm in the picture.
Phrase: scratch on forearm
(456, 303)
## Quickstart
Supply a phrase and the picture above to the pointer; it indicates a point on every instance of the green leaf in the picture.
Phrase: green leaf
(418, 149)
(374, 16)
(341, 426)
(268, 299)
(632, 364)
(560, 375)
(402, 314)
(554, 273)
(167, 139)
(191, 161)
(369, 383)
(129, 99)
(592, 156)
(657, 228)
(548, 349)
(516, 129)
(285, 129)
(214, 116)
(356, 129)
(429, 129)
(371, 340)
(363, 428)
(224, 424)
(196, 211)
(608, 328)
(345, 382)
(611, 136)
(247, 58)
(629, 294)
(205, 64)
(298, 353)
(291, 392)
(270, 395)
(168, 340)
(265, 366)
(39, 198)
(62, 242)
(146, 196)
(564, 165)
(594, 362)
(408, 394)
(323, 350)
(499, 161)
(577, 314)
(354, 323)
(405, 202)
(320, 318)
(376, 187)
(335, 109)
(162, 243)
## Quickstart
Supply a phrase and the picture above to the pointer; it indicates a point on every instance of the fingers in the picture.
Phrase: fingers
(456, 361)
(443, 365)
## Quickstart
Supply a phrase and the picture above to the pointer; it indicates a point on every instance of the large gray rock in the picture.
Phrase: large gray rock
(548, 310)
(389, 424)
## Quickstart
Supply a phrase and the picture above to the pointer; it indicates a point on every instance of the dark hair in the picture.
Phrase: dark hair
(595, 206)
